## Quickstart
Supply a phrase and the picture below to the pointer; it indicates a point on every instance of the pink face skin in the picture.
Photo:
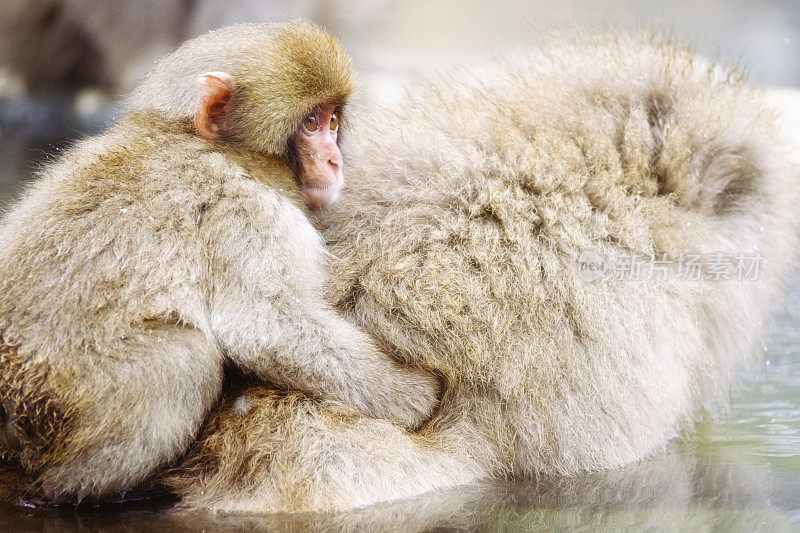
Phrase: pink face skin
(321, 175)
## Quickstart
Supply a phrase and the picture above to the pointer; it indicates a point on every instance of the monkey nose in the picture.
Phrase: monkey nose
(335, 163)
(335, 159)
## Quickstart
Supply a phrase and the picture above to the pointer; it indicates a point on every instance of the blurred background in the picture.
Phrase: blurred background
(64, 63)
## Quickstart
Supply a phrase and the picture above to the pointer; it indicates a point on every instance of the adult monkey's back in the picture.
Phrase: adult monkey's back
(457, 243)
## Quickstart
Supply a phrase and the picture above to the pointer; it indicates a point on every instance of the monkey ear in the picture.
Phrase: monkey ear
(216, 96)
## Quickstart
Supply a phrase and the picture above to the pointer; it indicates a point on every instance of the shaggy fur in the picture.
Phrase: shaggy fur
(135, 266)
(469, 203)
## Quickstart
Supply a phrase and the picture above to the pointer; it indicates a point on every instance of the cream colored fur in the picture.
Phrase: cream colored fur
(145, 258)
(455, 244)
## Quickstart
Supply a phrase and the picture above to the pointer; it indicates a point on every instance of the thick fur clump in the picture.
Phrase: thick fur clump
(456, 245)
(85, 298)
(317, 444)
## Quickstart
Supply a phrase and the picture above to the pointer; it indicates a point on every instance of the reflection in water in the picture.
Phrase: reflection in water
(674, 490)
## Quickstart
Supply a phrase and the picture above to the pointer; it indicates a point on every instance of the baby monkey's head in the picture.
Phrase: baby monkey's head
(277, 89)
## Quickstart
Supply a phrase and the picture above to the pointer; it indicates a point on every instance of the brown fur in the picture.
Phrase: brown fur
(469, 204)
(283, 71)
(147, 257)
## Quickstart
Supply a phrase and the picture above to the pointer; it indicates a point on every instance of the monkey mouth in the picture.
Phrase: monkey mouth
(320, 196)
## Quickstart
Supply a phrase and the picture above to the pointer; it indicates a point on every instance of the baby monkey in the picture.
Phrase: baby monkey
(146, 257)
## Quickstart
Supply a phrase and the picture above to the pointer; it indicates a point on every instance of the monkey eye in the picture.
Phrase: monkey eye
(334, 122)
(310, 123)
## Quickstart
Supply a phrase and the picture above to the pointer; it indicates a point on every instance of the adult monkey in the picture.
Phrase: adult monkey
(470, 202)
(148, 256)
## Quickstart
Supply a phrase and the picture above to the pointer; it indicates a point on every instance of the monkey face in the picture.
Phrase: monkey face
(319, 161)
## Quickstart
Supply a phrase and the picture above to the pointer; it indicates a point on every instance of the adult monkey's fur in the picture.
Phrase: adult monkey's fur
(469, 203)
